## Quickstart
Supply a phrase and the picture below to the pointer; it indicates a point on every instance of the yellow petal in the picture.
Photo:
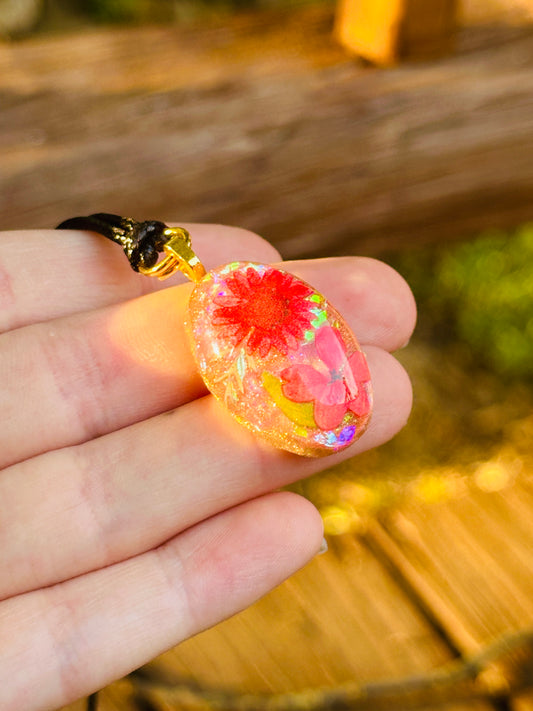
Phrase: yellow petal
(299, 412)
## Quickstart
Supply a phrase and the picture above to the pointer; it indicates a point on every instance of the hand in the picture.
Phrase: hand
(134, 512)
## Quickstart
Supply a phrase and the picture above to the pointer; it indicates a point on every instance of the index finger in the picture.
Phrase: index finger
(47, 274)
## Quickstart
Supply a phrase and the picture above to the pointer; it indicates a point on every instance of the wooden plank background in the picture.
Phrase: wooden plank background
(263, 122)
(423, 586)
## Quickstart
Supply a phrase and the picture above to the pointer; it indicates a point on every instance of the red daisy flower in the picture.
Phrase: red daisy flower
(268, 308)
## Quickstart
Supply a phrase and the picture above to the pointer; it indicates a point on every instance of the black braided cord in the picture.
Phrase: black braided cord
(141, 241)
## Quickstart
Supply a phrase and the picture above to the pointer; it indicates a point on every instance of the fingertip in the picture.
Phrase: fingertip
(403, 311)
(239, 555)
(387, 299)
(305, 528)
(393, 397)
(373, 297)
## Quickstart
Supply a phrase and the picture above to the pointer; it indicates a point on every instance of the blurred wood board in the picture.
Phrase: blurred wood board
(263, 122)
(386, 31)
(475, 553)
(469, 563)
(513, 12)
(353, 615)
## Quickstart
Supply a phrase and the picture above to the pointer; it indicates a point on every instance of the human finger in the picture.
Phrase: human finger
(374, 297)
(96, 372)
(63, 642)
(48, 274)
(129, 491)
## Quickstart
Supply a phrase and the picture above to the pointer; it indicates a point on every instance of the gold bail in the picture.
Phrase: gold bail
(179, 255)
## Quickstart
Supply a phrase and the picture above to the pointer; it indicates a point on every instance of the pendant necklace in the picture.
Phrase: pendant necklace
(269, 346)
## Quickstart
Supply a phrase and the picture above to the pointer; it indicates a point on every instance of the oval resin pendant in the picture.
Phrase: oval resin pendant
(280, 358)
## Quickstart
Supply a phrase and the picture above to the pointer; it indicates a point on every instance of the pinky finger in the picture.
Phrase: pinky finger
(63, 642)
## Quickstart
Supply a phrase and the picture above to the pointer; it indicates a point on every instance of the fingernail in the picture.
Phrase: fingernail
(323, 547)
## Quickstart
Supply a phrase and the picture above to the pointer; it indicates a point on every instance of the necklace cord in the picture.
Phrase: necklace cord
(141, 241)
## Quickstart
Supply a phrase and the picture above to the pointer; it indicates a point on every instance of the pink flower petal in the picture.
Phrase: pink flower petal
(333, 394)
(302, 382)
(359, 367)
(330, 348)
(289, 340)
(361, 404)
(328, 417)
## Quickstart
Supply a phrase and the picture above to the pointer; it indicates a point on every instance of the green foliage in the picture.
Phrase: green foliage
(167, 10)
(156, 10)
(116, 10)
(481, 293)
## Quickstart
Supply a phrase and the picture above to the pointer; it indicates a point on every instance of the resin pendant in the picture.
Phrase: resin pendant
(280, 358)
